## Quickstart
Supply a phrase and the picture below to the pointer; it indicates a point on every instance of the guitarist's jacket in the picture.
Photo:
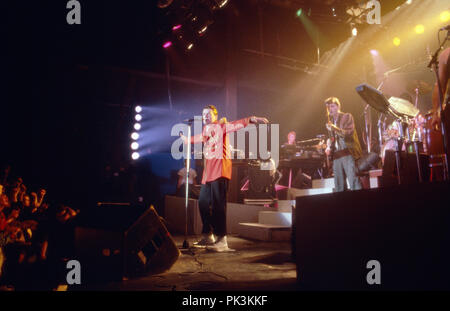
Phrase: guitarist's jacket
(347, 124)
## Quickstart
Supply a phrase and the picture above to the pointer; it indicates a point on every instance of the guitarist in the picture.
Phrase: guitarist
(344, 147)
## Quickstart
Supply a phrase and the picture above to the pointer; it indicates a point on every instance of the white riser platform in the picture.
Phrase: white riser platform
(175, 211)
(329, 182)
(323, 183)
(275, 218)
(294, 192)
(285, 206)
(264, 232)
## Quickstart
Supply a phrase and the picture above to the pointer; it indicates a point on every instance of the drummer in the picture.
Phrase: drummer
(391, 134)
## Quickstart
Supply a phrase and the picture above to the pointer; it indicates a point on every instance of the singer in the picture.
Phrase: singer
(216, 174)
(343, 146)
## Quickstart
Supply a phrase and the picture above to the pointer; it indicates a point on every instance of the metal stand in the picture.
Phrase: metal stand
(419, 166)
(398, 151)
(380, 131)
(380, 135)
(434, 64)
(367, 119)
(188, 167)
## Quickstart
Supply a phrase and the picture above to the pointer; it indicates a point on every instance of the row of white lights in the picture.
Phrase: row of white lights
(135, 135)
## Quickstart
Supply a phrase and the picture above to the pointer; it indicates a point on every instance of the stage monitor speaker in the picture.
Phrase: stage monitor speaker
(405, 229)
(260, 182)
(116, 242)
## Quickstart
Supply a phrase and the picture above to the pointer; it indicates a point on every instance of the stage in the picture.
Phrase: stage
(253, 266)
(333, 242)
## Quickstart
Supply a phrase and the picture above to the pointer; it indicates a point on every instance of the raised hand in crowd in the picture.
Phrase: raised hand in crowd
(41, 196)
(34, 200)
(22, 192)
(65, 213)
(15, 194)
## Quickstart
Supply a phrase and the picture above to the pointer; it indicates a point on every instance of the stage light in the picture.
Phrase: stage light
(299, 12)
(374, 52)
(202, 31)
(134, 146)
(354, 31)
(221, 3)
(138, 117)
(408, 1)
(138, 109)
(445, 16)
(190, 46)
(419, 29)
(137, 126)
(201, 18)
(162, 4)
(176, 27)
(135, 156)
(135, 136)
(215, 4)
(167, 44)
(334, 12)
(396, 41)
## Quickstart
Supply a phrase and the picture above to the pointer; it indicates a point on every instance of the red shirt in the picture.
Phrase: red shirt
(216, 149)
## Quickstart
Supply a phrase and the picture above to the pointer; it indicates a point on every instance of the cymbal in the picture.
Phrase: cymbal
(424, 87)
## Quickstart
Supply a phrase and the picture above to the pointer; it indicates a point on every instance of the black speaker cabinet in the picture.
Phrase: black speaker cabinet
(116, 242)
(408, 168)
(406, 229)
(260, 183)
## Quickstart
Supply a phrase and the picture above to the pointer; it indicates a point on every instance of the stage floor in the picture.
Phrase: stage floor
(254, 265)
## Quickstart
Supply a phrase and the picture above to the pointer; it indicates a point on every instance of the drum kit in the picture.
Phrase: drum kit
(411, 131)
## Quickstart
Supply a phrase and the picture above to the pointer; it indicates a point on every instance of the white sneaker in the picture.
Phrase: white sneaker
(220, 246)
(207, 240)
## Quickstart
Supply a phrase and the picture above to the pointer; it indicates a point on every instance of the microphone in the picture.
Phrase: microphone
(445, 28)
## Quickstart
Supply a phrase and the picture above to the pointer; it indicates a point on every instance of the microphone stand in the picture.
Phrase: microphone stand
(434, 64)
(188, 167)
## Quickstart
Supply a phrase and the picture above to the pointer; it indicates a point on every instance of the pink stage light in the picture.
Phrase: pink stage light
(374, 52)
(167, 44)
(176, 27)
